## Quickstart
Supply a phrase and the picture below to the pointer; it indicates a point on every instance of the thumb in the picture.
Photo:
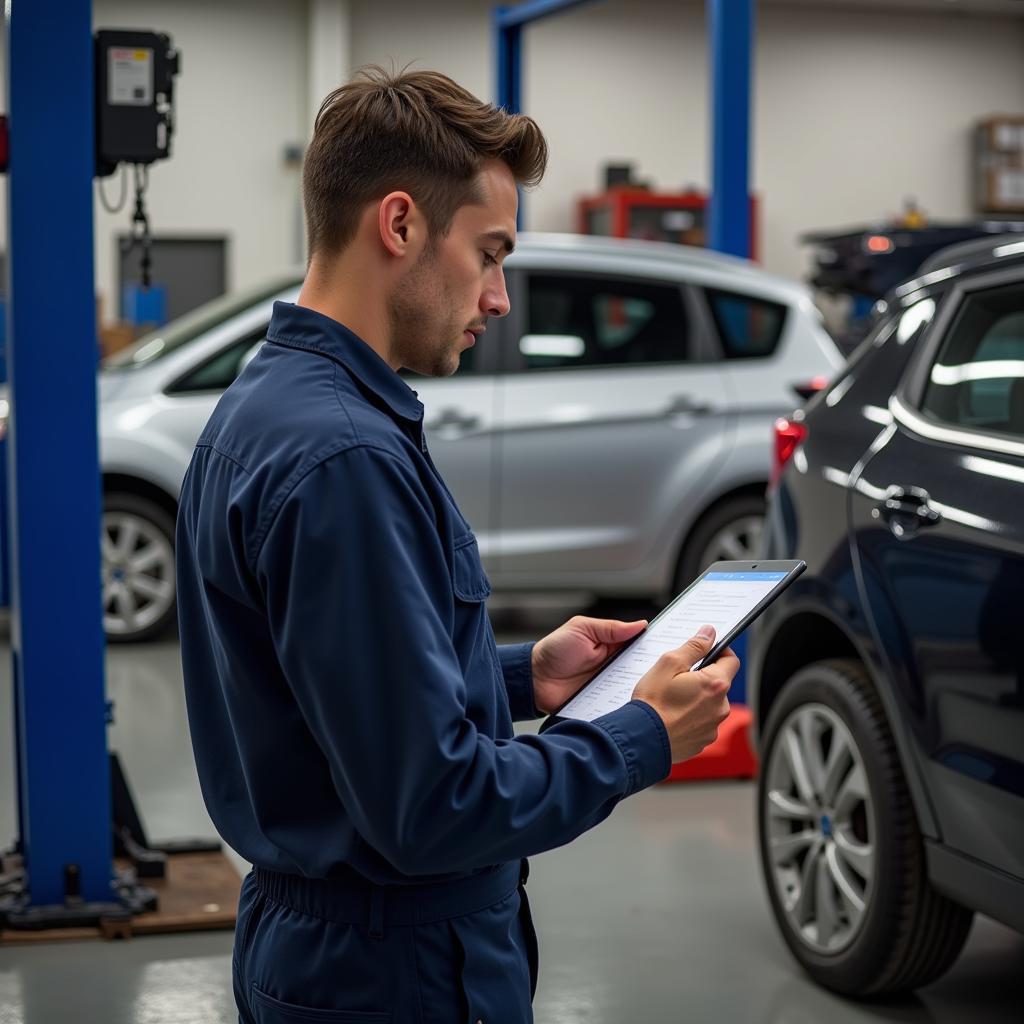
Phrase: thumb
(698, 646)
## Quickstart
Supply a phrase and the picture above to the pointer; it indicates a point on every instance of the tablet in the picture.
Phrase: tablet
(728, 596)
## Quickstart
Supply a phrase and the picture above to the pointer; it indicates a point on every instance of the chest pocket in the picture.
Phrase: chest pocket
(469, 581)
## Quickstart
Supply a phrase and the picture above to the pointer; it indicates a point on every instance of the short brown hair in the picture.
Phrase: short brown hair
(415, 131)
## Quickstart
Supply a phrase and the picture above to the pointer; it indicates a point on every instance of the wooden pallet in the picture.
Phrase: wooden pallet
(199, 893)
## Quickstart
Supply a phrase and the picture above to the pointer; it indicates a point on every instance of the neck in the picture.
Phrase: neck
(352, 296)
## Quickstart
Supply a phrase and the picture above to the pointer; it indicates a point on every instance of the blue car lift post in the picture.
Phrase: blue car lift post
(731, 28)
(507, 24)
(731, 31)
(63, 773)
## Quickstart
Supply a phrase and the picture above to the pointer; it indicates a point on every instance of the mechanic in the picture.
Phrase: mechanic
(350, 712)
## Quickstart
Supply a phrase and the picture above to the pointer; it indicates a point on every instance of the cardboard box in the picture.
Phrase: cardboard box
(116, 336)
(999, 164)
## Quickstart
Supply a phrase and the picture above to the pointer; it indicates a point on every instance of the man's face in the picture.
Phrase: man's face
(439, 307)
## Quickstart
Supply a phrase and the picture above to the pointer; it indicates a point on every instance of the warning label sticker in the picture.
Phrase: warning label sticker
(130, 77)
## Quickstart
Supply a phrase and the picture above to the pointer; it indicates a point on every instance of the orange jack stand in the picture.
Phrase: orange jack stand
(729, 757)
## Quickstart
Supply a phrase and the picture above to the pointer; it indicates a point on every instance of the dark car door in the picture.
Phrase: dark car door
(937, 516)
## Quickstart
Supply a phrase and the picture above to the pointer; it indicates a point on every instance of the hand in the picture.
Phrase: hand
(691, 704)
(565, 659)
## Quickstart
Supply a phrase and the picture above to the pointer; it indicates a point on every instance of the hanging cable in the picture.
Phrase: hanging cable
(124, 193)
(140, 225)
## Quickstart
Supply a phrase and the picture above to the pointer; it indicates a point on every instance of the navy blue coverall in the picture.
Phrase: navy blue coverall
(350, 712)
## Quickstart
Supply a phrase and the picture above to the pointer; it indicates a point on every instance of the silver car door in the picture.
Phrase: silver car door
(610, 423)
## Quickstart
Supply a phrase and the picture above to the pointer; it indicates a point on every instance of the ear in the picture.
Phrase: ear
(399, 223)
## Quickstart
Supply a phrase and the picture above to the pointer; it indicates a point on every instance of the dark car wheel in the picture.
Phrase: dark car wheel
(728, 532)
(137, 551)
(841, 851)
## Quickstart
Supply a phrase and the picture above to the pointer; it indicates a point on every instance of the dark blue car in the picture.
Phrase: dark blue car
(888, 681)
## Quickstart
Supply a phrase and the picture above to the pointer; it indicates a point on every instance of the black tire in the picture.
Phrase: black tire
(909, 934)
(156, 526)
(696, 557)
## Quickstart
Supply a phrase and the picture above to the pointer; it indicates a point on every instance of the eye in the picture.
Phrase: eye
(489, 259)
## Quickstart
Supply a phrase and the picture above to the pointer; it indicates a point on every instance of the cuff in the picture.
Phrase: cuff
(516, 662)
(642, 739)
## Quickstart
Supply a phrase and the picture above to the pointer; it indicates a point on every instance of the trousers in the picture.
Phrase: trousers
(326, 951)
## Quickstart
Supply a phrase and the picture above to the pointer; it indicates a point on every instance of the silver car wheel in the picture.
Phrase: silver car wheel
(138, 573)
(820, 828)
(739, 540)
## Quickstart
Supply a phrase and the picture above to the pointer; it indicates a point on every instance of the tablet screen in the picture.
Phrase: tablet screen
(721, 599)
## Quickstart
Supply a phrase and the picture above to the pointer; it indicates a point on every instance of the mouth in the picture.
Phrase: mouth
(470, 336)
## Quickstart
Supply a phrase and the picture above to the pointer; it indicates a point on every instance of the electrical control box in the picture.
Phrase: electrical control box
(134, 75)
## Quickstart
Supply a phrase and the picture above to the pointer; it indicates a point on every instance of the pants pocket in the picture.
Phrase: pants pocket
(268, 1010)
(251, 903)
(496, 975)
(529, 938)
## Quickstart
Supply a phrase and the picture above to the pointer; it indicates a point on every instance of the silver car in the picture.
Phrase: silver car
(611, 435)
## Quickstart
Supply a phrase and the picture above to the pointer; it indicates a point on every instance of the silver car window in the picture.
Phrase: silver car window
(162, 342)
(584, 320)
(219, 371)
(749, 327)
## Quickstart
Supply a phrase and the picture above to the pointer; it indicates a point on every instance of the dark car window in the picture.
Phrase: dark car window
(977, 379)
(750, 328)
(599, 321)
(219, 371)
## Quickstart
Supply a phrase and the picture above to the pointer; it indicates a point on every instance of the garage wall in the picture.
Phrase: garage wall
(854, 109)
(854, 113)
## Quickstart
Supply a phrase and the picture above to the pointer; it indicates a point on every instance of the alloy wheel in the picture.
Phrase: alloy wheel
(739, 540)
(820, 828)
(137, 572)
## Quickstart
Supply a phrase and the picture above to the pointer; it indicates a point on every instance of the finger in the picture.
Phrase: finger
(728, 661)
(723, 670)
(696, 647)
(612, 631)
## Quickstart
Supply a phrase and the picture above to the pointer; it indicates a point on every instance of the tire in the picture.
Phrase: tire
(137, 553)
(740, 518)
(862, 843)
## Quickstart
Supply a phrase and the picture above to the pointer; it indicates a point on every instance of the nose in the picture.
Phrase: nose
(494, 301)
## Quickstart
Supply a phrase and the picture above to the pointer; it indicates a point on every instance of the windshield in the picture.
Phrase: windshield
(161, 342)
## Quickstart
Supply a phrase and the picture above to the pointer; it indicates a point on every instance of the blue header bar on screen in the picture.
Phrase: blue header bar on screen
(746, 577)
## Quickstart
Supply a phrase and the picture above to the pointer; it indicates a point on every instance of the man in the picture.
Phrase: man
(350, 712)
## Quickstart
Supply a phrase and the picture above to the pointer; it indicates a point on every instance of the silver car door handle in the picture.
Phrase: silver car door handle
(680, 405)
(453, 419)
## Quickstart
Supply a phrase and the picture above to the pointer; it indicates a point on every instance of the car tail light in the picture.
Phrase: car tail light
(809, 388)
(789, 435)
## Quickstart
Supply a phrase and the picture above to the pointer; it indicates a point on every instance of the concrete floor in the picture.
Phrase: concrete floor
(654, 917)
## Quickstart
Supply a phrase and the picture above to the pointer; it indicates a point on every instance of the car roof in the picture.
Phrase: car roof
(668, 254)
(713, 269)
(966, 258)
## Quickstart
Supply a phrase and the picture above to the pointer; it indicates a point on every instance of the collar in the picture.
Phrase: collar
(299, 327)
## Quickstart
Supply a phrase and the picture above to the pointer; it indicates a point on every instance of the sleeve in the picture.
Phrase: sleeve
(516, 662)
(360, 606)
